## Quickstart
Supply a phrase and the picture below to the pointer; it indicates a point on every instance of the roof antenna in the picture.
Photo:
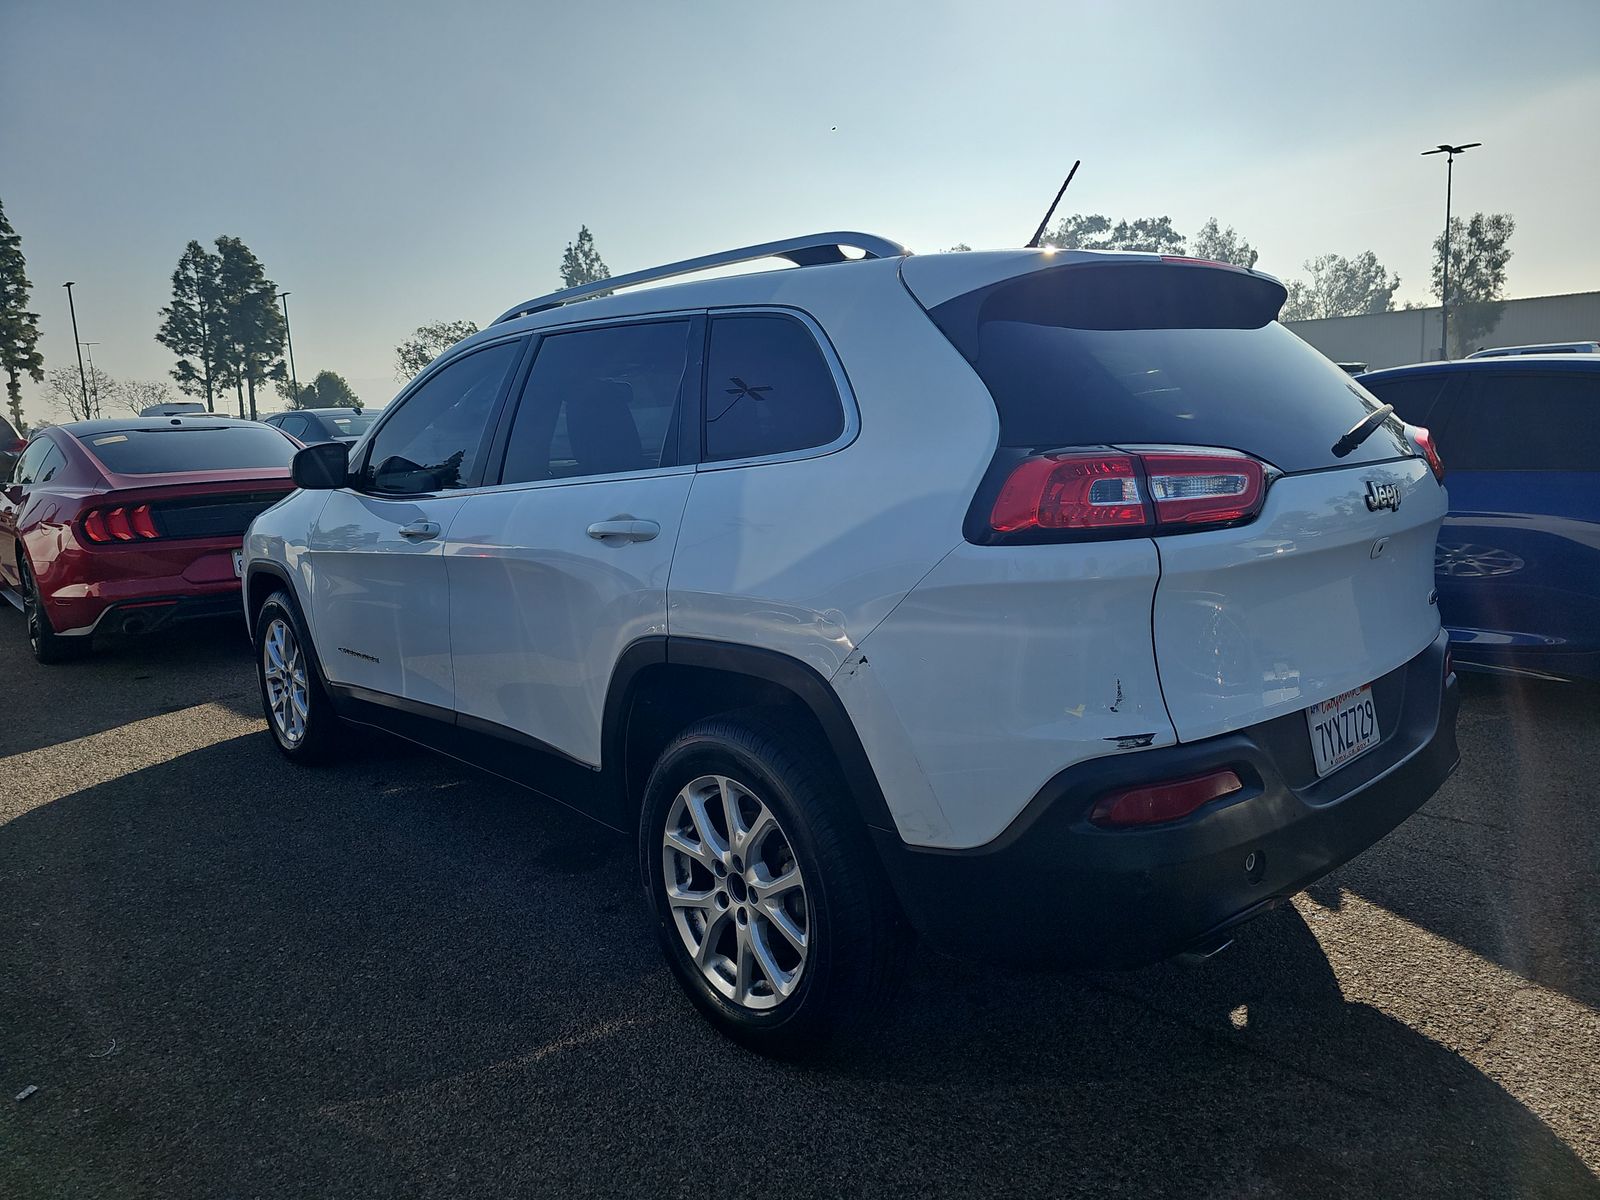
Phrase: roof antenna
(1038, 234)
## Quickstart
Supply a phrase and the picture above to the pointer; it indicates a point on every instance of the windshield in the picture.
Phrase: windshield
(190, 448)
(1140, 355)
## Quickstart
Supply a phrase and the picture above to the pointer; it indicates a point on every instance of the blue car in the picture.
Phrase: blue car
(1518, 558)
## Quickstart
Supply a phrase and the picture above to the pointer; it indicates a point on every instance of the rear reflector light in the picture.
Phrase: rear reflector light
(1161, 802)
(1087, 491)
(120, 524)
(1424, 441)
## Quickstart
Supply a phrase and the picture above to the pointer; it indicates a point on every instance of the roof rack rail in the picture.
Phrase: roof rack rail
(812, 250)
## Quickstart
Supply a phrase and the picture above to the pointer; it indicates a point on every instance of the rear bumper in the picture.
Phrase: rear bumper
(1055, 890)
(90, 592)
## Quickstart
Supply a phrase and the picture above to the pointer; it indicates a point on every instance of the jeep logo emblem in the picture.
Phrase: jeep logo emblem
(1383, 495)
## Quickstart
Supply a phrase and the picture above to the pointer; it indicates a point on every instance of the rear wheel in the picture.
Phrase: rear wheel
(48, 646)
(300, 719)
(770, 905)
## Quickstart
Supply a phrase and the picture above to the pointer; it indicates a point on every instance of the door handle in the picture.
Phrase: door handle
(419, 531)
(624, 529)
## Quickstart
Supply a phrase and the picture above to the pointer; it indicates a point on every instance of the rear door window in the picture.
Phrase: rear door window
(768, 389)
(1516, 421)
(174, 448)
(601, 401)
(1159, 354)
(295, 427)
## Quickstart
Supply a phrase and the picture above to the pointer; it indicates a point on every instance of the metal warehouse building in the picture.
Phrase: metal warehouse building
(1390, 339)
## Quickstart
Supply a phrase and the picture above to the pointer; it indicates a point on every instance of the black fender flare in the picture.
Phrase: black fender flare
(755, 662)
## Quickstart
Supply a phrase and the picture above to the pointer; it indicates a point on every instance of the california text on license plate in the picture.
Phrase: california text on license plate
(1342, 729)
(238, 564)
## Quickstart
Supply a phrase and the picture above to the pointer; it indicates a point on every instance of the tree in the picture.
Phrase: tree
(65, 391)
(1222, 245)
(1096, 232)
(252, 329)
(136, 395)
(19, 328)
(581, 263)
(958, 246)
(1341, 287)
(328, 390)
(427, 343)
(192, 327)
(1479, 251)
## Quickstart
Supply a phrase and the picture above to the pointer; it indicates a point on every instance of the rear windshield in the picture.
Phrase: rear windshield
(1165, 354)
(352, 424)
(190, 448)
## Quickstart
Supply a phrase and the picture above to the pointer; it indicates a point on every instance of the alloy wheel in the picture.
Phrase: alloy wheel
(283, 667)
(736, 893)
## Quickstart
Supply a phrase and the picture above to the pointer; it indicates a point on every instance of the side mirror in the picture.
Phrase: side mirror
(322, 467)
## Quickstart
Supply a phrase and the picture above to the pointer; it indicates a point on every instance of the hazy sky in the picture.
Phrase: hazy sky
(395, 163)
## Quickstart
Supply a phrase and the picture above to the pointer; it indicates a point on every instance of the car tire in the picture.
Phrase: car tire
(48, 646)
(300, 718)
(728, 936)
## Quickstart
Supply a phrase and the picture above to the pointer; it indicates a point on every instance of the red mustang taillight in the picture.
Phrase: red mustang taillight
(124, 523)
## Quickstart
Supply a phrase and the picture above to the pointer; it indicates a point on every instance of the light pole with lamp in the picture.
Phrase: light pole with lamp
(289, 337)
(83, 380)
(1450, 153)
(95, 415)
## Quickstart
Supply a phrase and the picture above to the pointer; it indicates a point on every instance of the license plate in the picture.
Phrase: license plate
(238, 564)
(1342, 729)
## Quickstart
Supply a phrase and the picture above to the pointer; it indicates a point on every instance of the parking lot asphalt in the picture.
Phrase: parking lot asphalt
(226, 976)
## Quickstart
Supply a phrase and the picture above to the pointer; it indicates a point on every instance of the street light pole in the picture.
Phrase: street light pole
(95, 415)
(1450, 153)
(293, 380)
(83, 380)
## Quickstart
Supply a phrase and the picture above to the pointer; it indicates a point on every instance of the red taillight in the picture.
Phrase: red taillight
(120, 524)
(1424, 441)
(1069, 491)
(139, 518)
(1185, 261)
(1162, 801)
(1204, 489)
(1087, 491)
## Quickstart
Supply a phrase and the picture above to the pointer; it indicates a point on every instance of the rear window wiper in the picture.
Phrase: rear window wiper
(1361, 430)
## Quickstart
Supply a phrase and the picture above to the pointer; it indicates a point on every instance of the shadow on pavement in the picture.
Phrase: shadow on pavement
(1503, 860)
(369, 981)
(123, 680)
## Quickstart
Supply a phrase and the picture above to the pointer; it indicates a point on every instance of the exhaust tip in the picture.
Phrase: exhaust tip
(133, 626)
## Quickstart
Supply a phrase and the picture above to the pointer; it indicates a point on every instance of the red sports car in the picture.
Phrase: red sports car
(122, 526)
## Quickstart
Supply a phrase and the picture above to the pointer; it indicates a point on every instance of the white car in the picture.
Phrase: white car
(1061, 607)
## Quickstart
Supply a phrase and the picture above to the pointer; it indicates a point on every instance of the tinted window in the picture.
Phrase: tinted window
(28, 465)
(433, 441)
(293, 426)
(1525, 423)
(599, 401)
(51, 467)
(1413, 396)
(768, 389)
(189, 448)
(1085, 356)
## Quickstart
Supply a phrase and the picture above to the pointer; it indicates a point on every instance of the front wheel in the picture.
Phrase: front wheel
(299, 717)
(771, 907)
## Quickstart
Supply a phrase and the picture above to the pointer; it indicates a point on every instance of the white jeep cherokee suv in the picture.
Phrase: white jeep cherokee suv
(1060, 606)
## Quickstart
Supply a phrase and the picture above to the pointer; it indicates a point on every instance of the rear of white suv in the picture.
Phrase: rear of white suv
(1065, 607)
